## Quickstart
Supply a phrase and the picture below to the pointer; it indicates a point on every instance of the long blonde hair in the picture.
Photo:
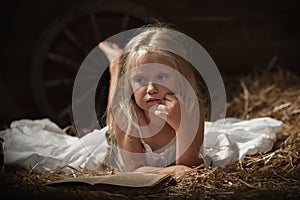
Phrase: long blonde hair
(149, 39)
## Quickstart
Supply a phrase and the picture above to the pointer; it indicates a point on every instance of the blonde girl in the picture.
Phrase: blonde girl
(155, 117)
(154, 113)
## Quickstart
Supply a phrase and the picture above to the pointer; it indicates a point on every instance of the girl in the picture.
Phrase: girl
(155, 115)
(155, 119)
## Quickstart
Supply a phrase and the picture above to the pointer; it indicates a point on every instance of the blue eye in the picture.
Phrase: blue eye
(162, 76)
(139, 79)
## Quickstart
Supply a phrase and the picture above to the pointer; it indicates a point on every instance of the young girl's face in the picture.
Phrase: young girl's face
(152, 79)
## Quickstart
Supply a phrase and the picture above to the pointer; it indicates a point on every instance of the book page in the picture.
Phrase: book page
(125, 179)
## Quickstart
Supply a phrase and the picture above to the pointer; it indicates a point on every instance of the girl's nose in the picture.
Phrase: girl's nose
(151, 89)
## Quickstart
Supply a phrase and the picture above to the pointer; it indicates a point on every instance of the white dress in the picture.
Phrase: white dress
(42, 145)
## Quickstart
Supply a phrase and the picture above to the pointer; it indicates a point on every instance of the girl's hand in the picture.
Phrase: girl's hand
(169, 110)
(176, 171)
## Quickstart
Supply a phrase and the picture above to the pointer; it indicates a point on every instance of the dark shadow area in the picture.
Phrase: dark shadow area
(43, 43)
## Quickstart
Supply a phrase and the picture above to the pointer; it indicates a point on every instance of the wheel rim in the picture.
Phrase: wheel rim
(64, 45)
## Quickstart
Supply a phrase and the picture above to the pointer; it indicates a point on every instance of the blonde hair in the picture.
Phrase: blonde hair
(149, 39)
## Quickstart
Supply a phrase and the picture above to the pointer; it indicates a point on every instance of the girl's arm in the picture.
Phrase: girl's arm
(188, 144)
(176, 170)
(190, 156)
(131, 149)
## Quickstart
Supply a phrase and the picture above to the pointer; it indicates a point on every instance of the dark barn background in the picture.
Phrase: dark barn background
(44, 42)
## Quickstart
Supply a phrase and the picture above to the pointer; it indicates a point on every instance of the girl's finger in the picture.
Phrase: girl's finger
(161, 111)
(162, 107)
(163, 102)
(162, 114)
(170, 97)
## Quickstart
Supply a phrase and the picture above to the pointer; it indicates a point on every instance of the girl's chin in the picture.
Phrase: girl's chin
(153, 108)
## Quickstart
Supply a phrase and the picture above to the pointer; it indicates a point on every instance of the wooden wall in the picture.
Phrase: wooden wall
(239, 35)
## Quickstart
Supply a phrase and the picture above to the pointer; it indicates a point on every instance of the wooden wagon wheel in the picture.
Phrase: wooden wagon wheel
(66, 42)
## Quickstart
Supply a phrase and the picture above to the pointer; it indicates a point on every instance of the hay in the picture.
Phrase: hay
(274, 175)
(273, 93)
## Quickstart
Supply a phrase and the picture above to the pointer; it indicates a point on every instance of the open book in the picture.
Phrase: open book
(120, 181)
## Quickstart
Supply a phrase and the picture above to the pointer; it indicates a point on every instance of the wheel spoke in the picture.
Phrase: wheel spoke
(63, 60)
(95, 28)
(71, 36)
(125, 22)
(68, 42)
(59, 82)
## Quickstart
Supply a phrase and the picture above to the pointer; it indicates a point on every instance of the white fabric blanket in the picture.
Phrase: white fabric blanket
(42, 145)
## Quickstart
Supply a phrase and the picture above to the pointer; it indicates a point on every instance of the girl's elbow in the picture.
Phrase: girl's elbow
(190, 162)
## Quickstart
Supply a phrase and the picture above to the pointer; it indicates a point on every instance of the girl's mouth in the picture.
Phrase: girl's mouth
(153, 101)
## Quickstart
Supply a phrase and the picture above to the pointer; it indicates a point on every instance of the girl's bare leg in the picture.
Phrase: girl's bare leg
(113, 53)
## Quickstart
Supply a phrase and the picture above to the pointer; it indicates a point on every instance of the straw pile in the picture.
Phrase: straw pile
(274, 175)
